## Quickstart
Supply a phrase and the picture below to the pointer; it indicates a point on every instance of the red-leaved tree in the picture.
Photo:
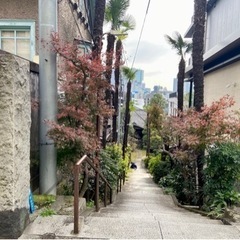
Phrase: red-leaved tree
(194, 131)
(82, 86)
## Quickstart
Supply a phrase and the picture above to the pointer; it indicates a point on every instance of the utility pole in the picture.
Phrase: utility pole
(48, 94)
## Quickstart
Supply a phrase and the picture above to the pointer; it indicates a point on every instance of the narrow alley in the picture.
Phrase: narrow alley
(142, 211)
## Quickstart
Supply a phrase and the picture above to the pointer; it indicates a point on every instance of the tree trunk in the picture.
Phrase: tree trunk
(116, 94)
(148, 136)
(197, 53)
(181, 75)
(97, 43)
(198, 78)
(109, 63)
(98, 27)
(127, 118)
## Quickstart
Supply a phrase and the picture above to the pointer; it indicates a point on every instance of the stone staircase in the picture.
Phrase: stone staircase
(140, 211)
(143, 211)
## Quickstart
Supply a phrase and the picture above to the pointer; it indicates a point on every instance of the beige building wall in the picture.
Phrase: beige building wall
(222, 82)
(19, 9)
(70, 26)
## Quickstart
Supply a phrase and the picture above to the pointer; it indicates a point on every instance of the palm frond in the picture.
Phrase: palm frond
(128, 23)
(116, 10)
(128, 73)
(179, 44)
(173, 43)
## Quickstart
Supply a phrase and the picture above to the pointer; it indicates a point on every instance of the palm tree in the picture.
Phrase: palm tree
(96, 54)
(182, 47)
(198, 78)
(127, 24)
(114, 14)
(97, 41)
(98, 27)
(130, 75)
(197, 53)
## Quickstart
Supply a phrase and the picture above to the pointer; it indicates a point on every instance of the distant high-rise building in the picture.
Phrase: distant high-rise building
(158, 90)
(175, 81)
(137, 84)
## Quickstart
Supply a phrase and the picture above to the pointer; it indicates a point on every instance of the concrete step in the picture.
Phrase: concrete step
(145, 228)
(51, 227)
(172, 217)
(58, 225)
(120, 228)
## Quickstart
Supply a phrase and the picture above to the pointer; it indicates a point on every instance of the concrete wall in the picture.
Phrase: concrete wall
(15, 121)
(221, 82)
(34, 135)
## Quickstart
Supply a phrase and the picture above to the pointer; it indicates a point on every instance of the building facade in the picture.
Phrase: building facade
(222, 52)
(159, 90)
(19, 25)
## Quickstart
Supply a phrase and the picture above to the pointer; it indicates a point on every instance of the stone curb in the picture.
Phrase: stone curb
(196, 210)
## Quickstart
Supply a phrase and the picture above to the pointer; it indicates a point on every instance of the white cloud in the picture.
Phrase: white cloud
(154, 55)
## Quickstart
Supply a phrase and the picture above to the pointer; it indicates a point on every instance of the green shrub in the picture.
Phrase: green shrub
(43, 200)
(158, 168)
(146, 161)
(221, 174)
(47, 211)
(111, 162)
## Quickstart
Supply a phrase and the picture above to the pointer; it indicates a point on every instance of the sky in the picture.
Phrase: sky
(154, 55)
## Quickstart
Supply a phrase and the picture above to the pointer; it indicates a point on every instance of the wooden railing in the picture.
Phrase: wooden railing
(98, 175)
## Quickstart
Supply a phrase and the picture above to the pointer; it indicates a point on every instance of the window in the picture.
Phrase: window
(18, 37)
(85, 47)
(81, 6)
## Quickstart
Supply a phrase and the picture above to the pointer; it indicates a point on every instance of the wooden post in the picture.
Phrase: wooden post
(97, 189)
(105, 194)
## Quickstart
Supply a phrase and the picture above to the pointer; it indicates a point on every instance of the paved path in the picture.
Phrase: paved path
(142, 211)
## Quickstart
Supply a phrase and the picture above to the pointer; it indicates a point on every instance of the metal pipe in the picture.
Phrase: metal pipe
(48, 94)
(76, 199)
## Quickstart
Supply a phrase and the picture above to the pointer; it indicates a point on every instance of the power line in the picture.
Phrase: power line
(139, 39)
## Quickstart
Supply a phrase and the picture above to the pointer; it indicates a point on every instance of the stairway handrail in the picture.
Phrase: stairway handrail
(76, 189)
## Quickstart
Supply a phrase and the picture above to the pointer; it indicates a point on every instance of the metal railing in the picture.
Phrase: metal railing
(98, 175)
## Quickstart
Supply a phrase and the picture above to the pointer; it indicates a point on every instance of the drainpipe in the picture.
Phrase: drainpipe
(48, 94)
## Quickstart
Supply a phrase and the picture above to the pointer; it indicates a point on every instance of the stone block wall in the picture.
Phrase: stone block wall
(15, 122)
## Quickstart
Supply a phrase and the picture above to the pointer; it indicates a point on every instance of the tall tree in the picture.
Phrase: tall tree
(99, 14)
(197, 53)
(117, 82)
(127, 24)
(130, 75)
(114, 14)
(182, 47)
(98, 27)
(155, 115)
(198, 77)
